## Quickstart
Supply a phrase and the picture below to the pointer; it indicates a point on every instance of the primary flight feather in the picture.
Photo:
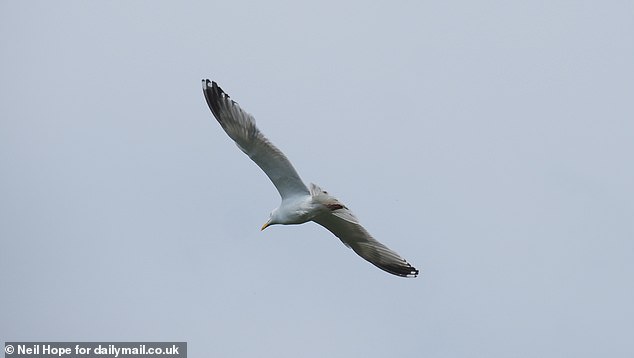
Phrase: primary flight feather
(299, 202)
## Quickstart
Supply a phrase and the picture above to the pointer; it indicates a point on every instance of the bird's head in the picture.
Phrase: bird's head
(271, 221)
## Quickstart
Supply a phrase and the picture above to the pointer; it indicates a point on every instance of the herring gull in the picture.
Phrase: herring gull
(300, 203)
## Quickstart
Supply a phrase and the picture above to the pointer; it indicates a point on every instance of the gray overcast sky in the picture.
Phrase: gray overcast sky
(490, 143)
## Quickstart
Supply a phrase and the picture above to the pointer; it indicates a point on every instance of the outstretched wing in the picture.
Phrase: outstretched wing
(346, 227)
(240, 126)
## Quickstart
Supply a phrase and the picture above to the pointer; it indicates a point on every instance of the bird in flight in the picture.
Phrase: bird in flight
(300, 203)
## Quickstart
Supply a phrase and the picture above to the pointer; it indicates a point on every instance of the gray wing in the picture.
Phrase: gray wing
(240, 126)
(346, 227)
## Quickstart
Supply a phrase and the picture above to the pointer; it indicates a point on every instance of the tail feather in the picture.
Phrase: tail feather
(315, 190)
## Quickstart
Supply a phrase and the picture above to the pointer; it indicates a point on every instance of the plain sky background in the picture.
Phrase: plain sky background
(490, 143)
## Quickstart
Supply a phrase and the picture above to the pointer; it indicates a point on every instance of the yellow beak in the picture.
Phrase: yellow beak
(266, 224)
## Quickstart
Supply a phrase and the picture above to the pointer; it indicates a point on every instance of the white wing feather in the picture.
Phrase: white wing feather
(240, 126)
(346, 227)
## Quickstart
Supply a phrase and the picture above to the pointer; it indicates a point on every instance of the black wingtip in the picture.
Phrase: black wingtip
(207, 84)
(216, 98)
(406, 270)
(413, 272)
(212, 89)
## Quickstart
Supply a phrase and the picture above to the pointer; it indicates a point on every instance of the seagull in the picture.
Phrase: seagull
(300, 203)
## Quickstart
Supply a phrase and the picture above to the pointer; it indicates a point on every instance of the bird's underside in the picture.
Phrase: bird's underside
(297, 199)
